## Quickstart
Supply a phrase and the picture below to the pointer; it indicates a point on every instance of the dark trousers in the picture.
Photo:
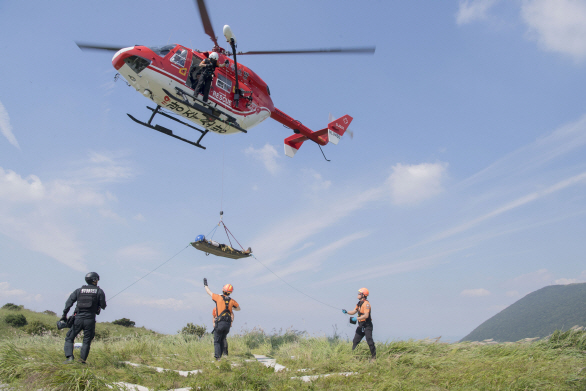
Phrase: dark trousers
(203, 86)
(361, 332)
(89, 331)
(220, 343)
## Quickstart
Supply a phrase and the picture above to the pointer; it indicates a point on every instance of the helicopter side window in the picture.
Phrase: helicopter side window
(179, 57)
(162, 51)
(224, 83)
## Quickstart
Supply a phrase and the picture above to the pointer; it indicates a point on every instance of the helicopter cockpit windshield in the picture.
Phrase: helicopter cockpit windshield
(162, 50)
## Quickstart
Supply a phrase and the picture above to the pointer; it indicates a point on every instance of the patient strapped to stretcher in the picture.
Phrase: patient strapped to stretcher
(219, 249)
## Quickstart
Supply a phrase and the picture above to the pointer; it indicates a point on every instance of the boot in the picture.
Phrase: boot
(69, 360)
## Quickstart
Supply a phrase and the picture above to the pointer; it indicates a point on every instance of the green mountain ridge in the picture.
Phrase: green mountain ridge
(539, 314)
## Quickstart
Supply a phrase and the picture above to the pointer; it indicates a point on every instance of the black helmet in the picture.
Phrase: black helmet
(92, 277)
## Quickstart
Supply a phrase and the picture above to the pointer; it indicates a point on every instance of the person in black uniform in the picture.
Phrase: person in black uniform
(205, 80)
(90, 301)
(364, 319)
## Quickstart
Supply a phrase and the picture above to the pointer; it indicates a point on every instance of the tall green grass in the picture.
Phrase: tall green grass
(555, 363)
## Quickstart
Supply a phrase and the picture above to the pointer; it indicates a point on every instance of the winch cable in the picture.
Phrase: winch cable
(228, 233)
(298, 290)
(110, 299)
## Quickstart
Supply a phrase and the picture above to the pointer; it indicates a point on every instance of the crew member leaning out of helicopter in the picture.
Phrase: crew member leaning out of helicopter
(205, 80)
(364, 322)
(224, 306)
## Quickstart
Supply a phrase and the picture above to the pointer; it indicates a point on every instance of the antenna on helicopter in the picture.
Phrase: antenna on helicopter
(232, 41)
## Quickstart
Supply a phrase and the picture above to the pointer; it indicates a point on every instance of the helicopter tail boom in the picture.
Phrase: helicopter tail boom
(331, 134)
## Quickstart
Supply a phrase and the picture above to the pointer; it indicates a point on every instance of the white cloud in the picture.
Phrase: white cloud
(138, 252)
(104, 167)
(531, 281)
(557, 25)
(14, 188)
(315, 181)
(412, 184)
(566, 281)
(562, 141)
(166, 304)
(190, 300)
(139, 217)
(110, 214)
(267, 155)
(6, 128)
(574, 180)
(284, 237)
(475, 292)
(472, 10)
(5, 291)
(33, 214)
(314, 260)
(512, 293)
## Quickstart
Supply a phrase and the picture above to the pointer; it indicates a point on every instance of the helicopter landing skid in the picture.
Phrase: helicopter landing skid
(169, 132)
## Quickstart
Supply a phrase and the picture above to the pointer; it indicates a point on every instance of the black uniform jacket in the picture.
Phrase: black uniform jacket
(85, 315)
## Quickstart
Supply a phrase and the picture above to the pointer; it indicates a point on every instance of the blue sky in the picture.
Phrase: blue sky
(461, 191)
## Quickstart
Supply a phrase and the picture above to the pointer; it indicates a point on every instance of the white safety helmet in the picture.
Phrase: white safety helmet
(214, 56)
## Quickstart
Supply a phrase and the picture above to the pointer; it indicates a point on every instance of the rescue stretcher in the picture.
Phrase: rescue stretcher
(221, 250)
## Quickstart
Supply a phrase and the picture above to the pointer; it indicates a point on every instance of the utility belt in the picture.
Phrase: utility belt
(224, 318)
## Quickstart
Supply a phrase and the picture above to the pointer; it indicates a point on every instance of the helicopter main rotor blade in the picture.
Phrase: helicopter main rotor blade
(205, 19)
(359, 50)
(90, 46)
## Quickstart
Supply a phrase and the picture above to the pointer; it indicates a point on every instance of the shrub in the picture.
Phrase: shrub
(36, 327)
(13, 307)
(124, 322)
(192, 329)
(16, 320)
(101, 334)
(49, 312)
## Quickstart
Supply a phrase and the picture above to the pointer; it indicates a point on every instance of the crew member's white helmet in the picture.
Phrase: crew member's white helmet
(214, 56)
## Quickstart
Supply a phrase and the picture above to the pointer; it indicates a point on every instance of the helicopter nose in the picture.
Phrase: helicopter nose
(118, 59)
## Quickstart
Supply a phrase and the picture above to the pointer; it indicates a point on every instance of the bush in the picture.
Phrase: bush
(101, 334)
(49, 312)
(124, 322)
(16, 320)
(36, 327)
(192, 329)
(13, 307)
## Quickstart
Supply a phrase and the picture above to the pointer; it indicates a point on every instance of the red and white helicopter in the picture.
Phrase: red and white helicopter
(238, 100)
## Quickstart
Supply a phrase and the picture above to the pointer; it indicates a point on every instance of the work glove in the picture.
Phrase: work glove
(353, 319)
(205, 282)
(63, 318)
(344, 311)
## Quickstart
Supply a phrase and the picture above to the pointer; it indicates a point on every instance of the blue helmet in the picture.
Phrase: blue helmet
(200, 238)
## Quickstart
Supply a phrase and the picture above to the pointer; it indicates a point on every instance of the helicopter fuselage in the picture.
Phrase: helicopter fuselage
(163, 73)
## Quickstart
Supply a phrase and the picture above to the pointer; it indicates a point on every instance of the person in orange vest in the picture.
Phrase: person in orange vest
(224, 307)
(364, 321)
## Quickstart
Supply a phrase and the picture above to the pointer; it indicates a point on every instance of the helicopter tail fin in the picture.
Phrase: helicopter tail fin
(337, 128)
(333, 133)
(293, 143)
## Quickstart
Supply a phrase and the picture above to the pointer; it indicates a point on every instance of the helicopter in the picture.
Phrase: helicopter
(237, 99)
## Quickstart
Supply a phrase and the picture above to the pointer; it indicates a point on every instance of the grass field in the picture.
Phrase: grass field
(33, 362)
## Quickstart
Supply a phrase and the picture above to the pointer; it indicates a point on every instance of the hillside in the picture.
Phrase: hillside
(540, 313)
(44, 323)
